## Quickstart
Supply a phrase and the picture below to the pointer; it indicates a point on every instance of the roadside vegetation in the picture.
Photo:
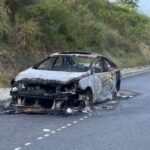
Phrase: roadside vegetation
(30, 30)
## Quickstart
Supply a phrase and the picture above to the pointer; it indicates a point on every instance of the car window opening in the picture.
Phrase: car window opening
(66, 63)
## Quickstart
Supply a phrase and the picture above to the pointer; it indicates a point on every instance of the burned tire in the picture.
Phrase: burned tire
(46, 104)
(118, 81)
(88, 97)
(117, 89)
(118, 85)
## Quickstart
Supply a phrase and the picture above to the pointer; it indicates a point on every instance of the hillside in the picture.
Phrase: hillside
(35, 28)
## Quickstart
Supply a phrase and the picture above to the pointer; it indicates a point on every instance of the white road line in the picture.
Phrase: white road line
(63, 127)
(40, 138)
(18, 148)
(130, 96)
(46, 135)
(85, 117)
(69, 124)
(27, 144)
(53, 132)
(59, 129)
(46, 130)
(75, 122)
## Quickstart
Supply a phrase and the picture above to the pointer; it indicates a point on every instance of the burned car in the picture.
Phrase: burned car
(66, 80)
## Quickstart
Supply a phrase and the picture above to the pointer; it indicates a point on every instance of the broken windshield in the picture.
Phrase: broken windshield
(66, 63)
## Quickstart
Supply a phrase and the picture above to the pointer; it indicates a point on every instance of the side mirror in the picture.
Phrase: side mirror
(96, 70)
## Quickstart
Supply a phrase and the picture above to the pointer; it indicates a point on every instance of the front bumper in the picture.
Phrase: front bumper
(62, 96)
(56, 102)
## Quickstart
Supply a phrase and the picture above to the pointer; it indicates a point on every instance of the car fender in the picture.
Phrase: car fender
(88, 82)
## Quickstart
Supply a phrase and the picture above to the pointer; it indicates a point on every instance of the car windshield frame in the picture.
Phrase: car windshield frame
(73, 66)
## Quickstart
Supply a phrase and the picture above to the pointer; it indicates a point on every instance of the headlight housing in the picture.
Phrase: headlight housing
(21, 86)
(17, 85)
(71, 87)
(14, 89)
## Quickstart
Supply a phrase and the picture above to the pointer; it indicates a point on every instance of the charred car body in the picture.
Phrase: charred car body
(65, 80)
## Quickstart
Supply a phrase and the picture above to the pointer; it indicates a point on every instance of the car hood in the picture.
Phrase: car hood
(60, 76)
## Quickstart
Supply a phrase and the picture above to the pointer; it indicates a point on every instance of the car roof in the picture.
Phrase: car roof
(76, 53)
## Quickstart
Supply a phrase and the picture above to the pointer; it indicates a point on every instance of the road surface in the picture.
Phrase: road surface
(127, 127)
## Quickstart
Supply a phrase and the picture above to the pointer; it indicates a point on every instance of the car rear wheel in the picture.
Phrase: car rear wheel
(116, 90)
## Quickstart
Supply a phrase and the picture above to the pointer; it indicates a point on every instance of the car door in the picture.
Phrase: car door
(111, 69)
(101, 81)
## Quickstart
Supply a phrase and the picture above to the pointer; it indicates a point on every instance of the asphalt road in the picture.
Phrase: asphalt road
(127, 127)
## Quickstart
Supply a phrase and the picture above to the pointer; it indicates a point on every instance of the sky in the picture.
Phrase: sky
(145, 6)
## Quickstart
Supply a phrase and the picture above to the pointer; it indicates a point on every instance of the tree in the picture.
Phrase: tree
(12, 6)
(132, 3)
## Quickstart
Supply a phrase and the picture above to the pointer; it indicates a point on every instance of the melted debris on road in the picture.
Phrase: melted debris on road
(7, 108)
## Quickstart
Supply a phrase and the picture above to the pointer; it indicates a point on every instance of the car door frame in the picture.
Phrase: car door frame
(115, 74)
(101, 82)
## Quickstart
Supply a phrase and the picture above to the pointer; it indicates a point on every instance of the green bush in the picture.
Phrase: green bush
(44, 26)
(4, 28)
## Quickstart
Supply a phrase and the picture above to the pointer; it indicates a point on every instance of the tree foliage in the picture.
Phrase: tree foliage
(43, 26)
(132, 3)
(12, 7)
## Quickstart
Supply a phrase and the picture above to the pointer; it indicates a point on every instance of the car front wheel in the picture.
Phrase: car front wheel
(88, 98)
